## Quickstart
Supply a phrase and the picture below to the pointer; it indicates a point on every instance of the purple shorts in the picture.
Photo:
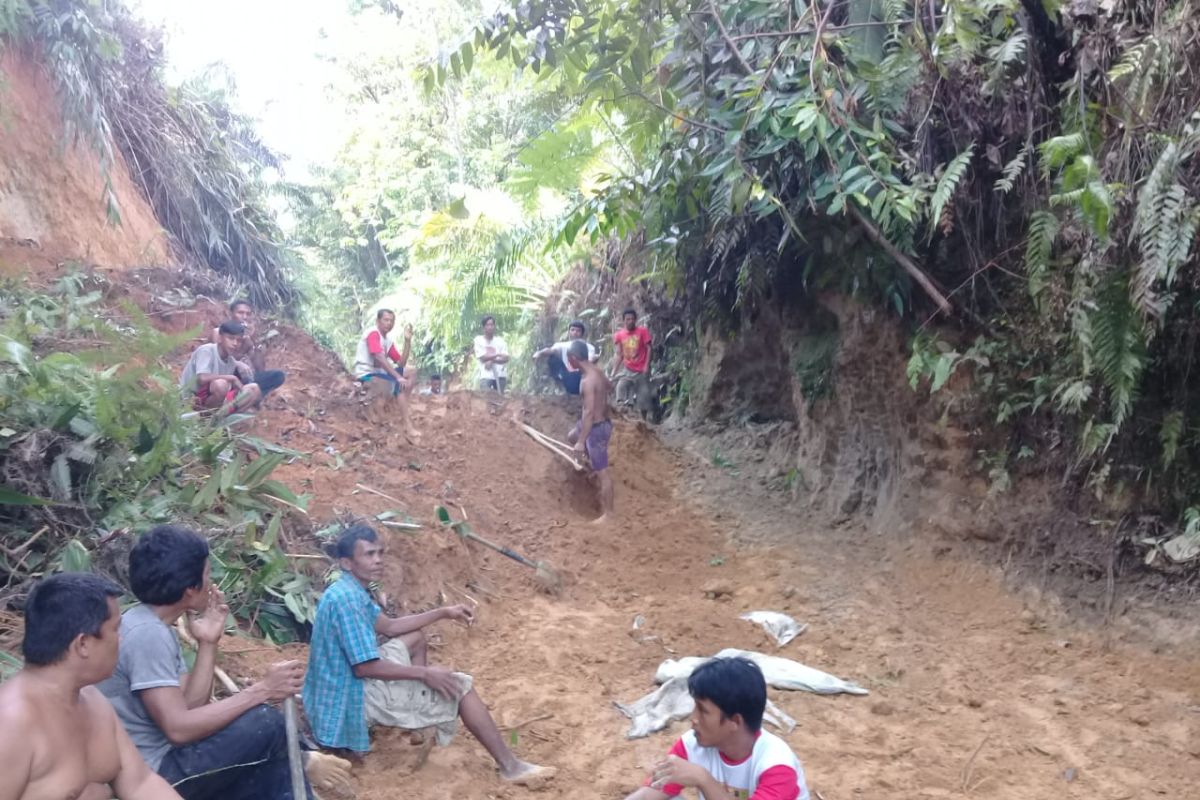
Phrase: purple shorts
(597, 443)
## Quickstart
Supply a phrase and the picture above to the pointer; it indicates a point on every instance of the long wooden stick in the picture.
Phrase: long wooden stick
(295, 760)
(366, 488)
(552, 448)
(535, 433)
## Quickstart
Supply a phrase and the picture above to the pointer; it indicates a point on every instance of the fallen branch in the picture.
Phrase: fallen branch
(965, 775)
(909, 266)
(529, 721)
(366, 488)
(285, 502)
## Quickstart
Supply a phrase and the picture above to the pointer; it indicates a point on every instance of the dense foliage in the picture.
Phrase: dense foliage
(96, 446)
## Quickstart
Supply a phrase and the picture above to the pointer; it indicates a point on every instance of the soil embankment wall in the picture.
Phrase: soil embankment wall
(52, 191)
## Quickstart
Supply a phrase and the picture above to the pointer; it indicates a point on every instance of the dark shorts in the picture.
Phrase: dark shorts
(383, 376)
(597, 443)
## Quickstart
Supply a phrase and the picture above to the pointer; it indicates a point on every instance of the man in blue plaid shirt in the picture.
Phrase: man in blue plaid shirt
(353, 682)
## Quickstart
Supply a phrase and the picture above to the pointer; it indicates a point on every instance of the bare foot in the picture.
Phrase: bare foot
(526, 774)
(601, 520)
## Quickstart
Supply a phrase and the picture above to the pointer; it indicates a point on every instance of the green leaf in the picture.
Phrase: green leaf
(11, 497)
(75, 557)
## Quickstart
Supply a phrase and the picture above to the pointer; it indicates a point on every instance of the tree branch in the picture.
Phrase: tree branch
(918, 275)
(809, 31)
(729, 42)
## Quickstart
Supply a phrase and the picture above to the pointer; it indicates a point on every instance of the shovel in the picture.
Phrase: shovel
(547, 578)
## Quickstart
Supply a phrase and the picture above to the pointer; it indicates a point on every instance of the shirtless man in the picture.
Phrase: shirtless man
(57, 733)
(594, 430)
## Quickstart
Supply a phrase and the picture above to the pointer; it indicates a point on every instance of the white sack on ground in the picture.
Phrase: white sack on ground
(778, 625)
(671, 702)
(782, 673)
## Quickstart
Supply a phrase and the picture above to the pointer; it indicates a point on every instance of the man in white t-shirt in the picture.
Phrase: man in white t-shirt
(492, 354)
(210, 375)
(379, 365)
(560, 368)
(727, 755)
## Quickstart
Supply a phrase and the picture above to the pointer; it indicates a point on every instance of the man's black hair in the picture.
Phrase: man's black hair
(629, 311)
(232, 328)
(59, 609)
(435, 377)
(734, 685)
(580, 325)
(578, 349)
(379, 314)
(167, 561)
(485, 320)
(347, 540)
(241, 301)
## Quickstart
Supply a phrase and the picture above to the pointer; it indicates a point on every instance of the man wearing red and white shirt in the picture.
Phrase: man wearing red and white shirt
(630, 367)
(726, 755)
(373, 365)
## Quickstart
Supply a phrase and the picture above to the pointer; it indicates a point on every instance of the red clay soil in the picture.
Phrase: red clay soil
(51, 198)
(971, 694)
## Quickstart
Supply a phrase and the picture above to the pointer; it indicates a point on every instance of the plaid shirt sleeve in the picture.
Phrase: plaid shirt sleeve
(355, 626)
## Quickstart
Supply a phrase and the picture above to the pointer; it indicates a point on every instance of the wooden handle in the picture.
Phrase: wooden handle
(295, 760)
(546, 442)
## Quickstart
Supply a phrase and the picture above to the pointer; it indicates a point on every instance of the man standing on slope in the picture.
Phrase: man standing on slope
(492, 353)
(727, 755)
(559, 366)
(57, 733)
(353, 682)
(225, 750)
(391, 386)
(594, 429)
(631, 363)
(211, 374)
(251, 364)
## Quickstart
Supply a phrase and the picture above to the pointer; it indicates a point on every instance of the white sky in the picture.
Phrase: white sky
(270, 48)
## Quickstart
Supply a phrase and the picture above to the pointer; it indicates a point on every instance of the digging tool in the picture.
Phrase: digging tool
(295, 759)
(564, 451)
(547, 578)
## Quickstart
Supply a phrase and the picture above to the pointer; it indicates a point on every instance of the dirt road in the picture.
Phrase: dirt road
(972, 695)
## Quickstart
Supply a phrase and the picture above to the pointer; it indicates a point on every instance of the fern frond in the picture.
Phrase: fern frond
(1012, 170)
(947, 184)
(1169, 435)
(1071, 395)
(1011, 50)
(1043, 230)
(1165, 226)
(1118, 347)
(1059, 150)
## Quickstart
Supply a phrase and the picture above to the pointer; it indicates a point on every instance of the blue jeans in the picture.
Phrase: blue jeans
(383, 376)
(245, 760)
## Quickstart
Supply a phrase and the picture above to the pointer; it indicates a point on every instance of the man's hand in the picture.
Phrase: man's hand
(235, 382)
(580, 448)
(284, 679)
(442, 681)
(460, 613)
(208, 626)
(408, 332)
(674, 769)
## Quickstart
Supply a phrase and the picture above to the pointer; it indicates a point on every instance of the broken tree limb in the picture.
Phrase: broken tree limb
(366, 488)
(909, 266)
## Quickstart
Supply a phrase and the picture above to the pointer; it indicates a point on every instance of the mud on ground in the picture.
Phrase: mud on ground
(972, 693)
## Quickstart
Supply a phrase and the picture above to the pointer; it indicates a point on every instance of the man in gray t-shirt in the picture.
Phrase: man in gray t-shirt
(149, 658)
(211, 373)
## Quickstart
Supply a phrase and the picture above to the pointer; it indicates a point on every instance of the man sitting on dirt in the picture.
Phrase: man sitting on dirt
(559, 365)
(251, 361)
(594, 429)
(232, 748)
(492, 354)
(373, 365)
(211, 374)
(631, 363)
(353, 682)
(727, 754)
(57, 733)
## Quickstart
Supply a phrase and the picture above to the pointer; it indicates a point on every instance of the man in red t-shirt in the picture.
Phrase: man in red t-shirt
(727, 755)
(630, 366)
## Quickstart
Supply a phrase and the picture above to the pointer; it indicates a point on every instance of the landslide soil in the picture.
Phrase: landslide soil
(973, 693)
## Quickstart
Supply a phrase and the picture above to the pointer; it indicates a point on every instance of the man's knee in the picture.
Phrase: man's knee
(262, 728)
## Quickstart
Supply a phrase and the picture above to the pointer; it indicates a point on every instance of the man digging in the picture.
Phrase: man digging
(353, 682)
(59, 737)
(591, 435)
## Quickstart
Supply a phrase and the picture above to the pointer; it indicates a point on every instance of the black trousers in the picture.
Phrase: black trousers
(269, 380)
(246, 760)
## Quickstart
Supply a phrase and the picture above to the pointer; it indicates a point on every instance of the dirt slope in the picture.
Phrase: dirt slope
(971, 693)
(51, 206)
